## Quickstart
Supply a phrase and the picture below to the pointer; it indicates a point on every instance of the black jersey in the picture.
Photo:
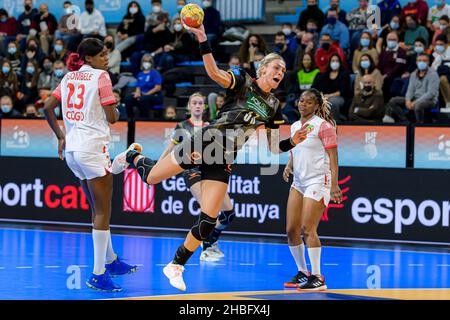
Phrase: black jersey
(184, 130)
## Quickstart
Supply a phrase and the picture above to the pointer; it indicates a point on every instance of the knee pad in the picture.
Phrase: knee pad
(204, 226)
(144, 166)
(225, 219)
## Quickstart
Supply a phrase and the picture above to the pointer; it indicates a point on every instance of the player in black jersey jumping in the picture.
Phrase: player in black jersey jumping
(249, 105)
(184, 131)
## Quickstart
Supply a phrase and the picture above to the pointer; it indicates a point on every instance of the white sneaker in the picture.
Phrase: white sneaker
(216, 250)
(120, 163)
(174, 272)
(208, 255)
(388, 119)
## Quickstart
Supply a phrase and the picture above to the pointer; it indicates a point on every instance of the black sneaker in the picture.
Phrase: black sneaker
(314, 283)
(298, 280)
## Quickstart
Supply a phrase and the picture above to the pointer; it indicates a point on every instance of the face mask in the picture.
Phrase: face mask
(394, 25)
(419, 50)
(365, 64)
(279, 45)
(335, 66)
(368, 89)
(146, 65)
(412, 25)
(422, 66)
(27, 7)
(68, 10)
(326, 46)
(287, 31)
(109, 44)
(58, 48)
(3, 19)
(59, 73)
(30, 115)
(133, 10)
(12, 50)
(254, 45)
(179, 7)
(303, 46)
(311, 30)
(156, 9)
(257, 64)
(90, 10)
(177, 27)
(5, 70)
(6, 108)
(331, 20)
(48, 66)
(442, 26)
(30, 70)
(32, 47)
(207, 4)
(365, 42)
(440, 48)
(392, 44)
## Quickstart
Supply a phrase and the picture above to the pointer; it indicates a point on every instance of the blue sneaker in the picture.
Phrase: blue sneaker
(119, 268)
(103, 282)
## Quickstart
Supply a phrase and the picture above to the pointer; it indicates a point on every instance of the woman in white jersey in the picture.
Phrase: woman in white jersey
(88, 106)
(314, 164)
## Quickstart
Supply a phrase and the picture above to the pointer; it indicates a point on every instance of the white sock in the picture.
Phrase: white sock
(110, 255)
(298, 253)
(314, 257)
(101, 238)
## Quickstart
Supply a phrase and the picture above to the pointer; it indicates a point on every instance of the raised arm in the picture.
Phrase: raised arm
(222, 77)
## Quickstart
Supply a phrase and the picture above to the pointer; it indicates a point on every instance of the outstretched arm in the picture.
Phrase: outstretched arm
(276, 146)
(222, 77)
(49, 111)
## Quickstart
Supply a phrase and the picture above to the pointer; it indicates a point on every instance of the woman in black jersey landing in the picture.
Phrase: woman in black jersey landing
(249, 104)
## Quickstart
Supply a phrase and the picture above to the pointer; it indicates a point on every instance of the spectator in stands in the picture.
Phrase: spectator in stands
(235, 61)
(335, 85)
(31, 112)
(60, 51)
(8, 30)
(14, 57)
(59, 71)
(368, 105)
(326, 50)
(336, 29)
(32, 52)
(215, 104)
(311, 12)
(441, 54)
(367, 66)
(443, 29)
(45, 25)
(180, 49)
(9, 84)
(357, 22)
(133, 24)
(259, 56)
(342, 15)
(170, 113)
(389, 9)
(291, 36)
(29, 84)
(414, 30)
(281, 47)
(392, 63)
(67, 28)
(253, 43)
(307, 45)
(312, 27)
(211, 22)
(423, 93)
(419, 9)
(147, 95)
(366, 46)
(420, 47)
(7, 110)
(120, 105)
(24, 22)
(393, 26)
(115, 58)
(154, 17)
(91, 22)
(307, 72)
(435, 14)
(180, 5)
(45, 77)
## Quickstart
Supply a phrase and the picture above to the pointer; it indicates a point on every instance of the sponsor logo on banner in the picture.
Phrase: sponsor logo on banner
(137, 195)
(342, 184)
(443, 147)
(371, 145)
(20, 139)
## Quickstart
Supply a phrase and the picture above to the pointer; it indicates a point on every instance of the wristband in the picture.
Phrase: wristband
(205, 48)
(287, 145)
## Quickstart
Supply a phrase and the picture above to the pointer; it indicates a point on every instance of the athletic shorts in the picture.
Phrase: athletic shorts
(192, 176)
(318, 192)
(87, 166)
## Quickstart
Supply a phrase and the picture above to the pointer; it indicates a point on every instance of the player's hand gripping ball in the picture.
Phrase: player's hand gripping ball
(192, 15)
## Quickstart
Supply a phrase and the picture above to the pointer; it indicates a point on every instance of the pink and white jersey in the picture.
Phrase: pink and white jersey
(310, 160)
(83, 94)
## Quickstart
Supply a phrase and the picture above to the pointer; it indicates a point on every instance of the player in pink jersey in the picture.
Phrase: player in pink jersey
(88, 107)
(314, 164)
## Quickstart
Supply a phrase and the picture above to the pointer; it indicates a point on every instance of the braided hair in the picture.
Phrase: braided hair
(324, 109)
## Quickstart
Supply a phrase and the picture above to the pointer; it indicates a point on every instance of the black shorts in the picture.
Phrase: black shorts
(192, 176)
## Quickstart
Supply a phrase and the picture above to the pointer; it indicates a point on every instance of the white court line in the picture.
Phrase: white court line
(439, 265)
(24, 267)
(83, 266)
(331, 264)
(139, 265)
(274, 264)
(192, 264)
(1, 268)
(246, 264)
(387, 264)
(160, 264)
(219, 264)
(52, 267)
(359, 264)
(415, 265)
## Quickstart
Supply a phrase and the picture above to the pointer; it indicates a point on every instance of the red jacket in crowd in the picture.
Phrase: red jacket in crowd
(9, 27)
(323, 57)
(418, 9)
(50, 20)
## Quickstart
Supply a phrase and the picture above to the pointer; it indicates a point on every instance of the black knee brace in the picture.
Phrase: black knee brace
(204, 226)
(144, 166)
(225, 219)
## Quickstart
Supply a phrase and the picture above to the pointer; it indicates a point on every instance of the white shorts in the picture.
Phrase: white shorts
(87, 166)
(318, 192)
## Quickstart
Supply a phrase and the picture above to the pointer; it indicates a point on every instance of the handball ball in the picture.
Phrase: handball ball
(192, 15)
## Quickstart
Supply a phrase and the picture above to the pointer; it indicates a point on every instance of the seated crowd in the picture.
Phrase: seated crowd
(398, 71)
